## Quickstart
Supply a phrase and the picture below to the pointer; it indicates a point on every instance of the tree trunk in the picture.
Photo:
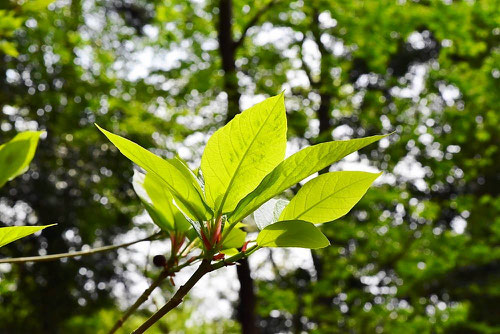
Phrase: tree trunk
(227, 51)
(247, 299)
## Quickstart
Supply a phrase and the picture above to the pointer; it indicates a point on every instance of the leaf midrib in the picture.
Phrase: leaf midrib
(185, 200)
(231, 181)
(327, 197)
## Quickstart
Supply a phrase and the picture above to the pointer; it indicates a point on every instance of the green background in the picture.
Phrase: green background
(418, 254)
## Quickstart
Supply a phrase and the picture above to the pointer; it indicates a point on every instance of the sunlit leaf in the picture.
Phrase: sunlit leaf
(229, 251)
(16, 155)
(292, 233)
(239, 155)
(328, 196)
(159, 202)
(235, 238)
(296, 168)
(13, 233)
(180, 181)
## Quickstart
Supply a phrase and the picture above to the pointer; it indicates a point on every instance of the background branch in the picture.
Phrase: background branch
(75, 254)
(253, 22)
(204, 268)
(145, 295)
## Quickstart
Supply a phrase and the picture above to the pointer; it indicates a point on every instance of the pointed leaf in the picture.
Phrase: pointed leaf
(296, 168)
(12, 233)
(159, 202)
(16, 155)
(239, 155)
(292, 233)
(328, 196)
(179, 180)
(269, 212)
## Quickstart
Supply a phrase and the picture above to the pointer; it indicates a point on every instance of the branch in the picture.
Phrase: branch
(204, 268)
(75, 254)
(145, 295)
(304, 65)
(253, 22)
(317, 33)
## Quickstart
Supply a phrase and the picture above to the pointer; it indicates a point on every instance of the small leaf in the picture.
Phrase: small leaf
(174, 174)
(159, 202)
(328, 196)
(239, 155)
(235, 238)
(16, 155)
(296, 168)
(292, 233)
(12, 233)
(269, 212)
(229, 251)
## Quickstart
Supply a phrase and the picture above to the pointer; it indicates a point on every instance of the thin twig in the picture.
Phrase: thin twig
(75, 254)
(145, 295)
(177, 298)
(253, 21)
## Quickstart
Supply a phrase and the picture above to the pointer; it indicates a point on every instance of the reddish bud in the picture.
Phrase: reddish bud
(207, 244)
(218, 228)
(219, 256)
(244, 248)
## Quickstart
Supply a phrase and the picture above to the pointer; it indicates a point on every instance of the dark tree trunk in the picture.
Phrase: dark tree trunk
(246, 305)
(227, 52)
(323, 113)
(227, 47)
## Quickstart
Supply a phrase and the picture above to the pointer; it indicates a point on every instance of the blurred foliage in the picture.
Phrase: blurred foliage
(418, 254)
(174, 322)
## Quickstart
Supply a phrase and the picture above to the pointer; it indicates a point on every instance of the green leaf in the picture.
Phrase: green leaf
(292, 233)
(296, 168)
(239, 155)
(175, 175)
(328, 196)
(229, 252)
(9, 48)
(12, 233)
(235, 238)
(16, 155)
(36, 5)
(159, 203)
(269, 212)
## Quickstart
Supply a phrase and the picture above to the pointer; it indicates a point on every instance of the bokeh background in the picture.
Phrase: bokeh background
(419, 254)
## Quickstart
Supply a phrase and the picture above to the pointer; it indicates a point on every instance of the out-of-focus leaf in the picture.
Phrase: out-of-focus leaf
(13, 233)
(16, 155)
(8, 48)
